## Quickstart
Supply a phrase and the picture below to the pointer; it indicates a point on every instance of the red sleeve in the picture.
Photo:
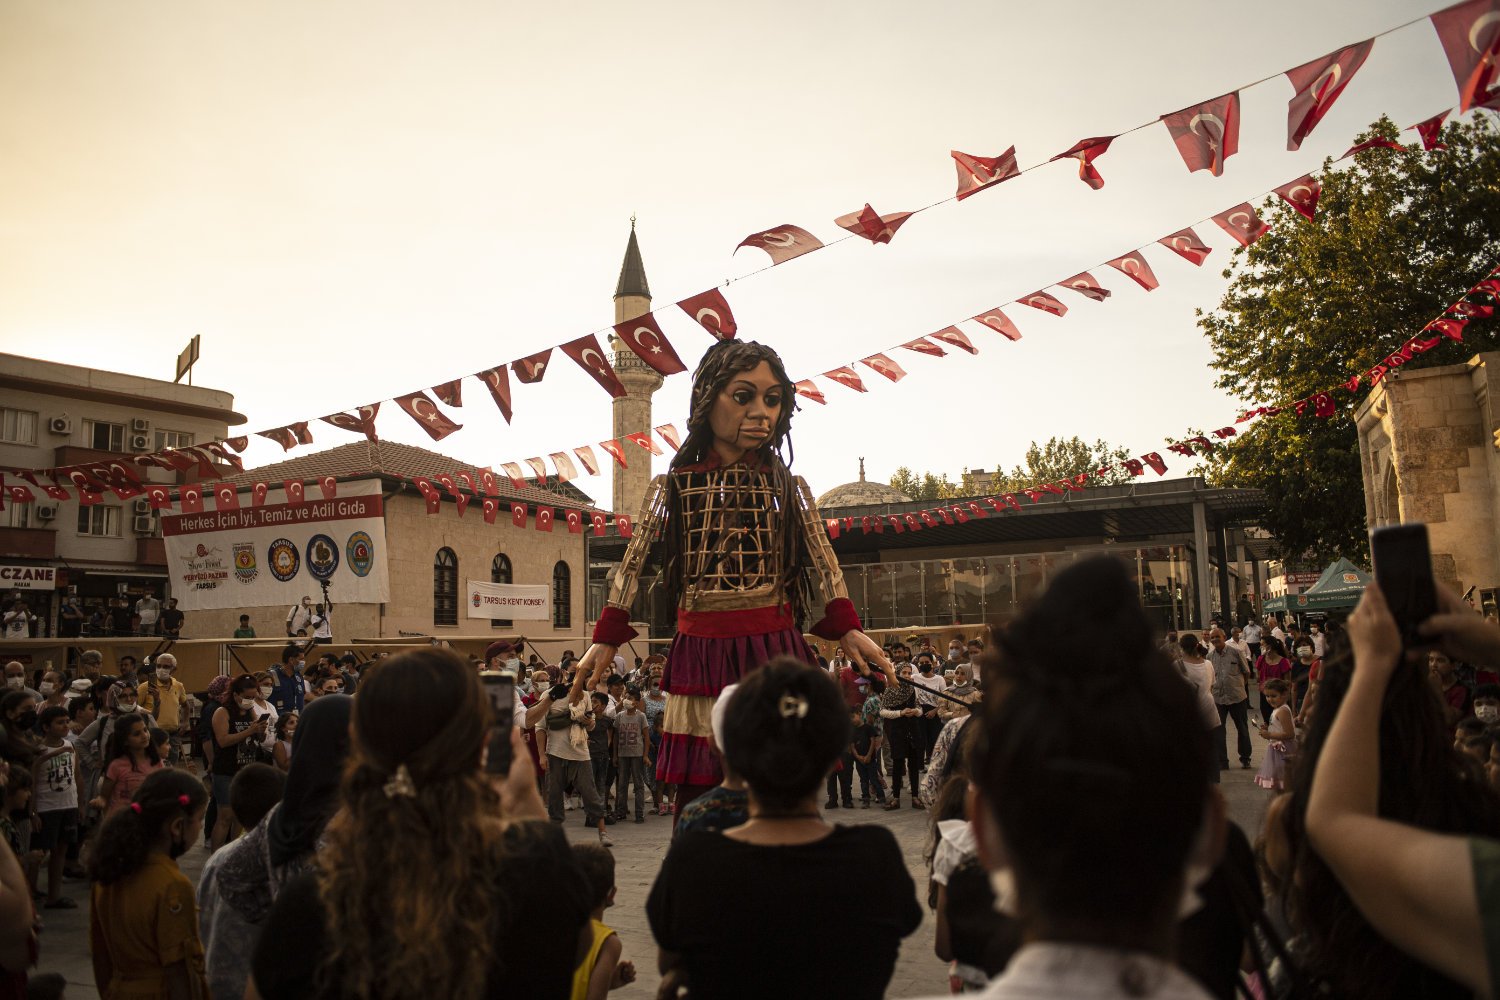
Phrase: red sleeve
(613, 627)
(839, 619)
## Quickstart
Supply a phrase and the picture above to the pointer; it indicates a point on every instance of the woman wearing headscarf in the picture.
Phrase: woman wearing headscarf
(241, 881)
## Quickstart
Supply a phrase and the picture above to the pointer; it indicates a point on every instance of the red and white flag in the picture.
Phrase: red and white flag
(289, 436)
(1134, 264)
(1302, 194)
(160, 498)
(782, 243)
(1317, 85)
(615, 450)
(466, 480)
(490, 506)
(643, 336)
(1157, 463)
(461, 501)
(590, 357)
(190, 496)
(645, 441)
(425, 412)
(832, 525)
(1378, 142)
(1470, 34)
(230, 458)
(1046, 303)
(956, 337)
(1086, 151)
(623, 525)
(597, 520)
(1453, 329)
(999, 322)
(566, 470)
(20, 493)
(532, 369)
(1088, 286)
(924, 346)
(518, 515)
(239, 444)
(807, 389)
(431, 498)
(710, 310)
(975, 173)
(56, 491)
(586, 456)
(871, 225)
(296, 490)
(885, 366)
(497, 381)
(451, 393)
(1242, 223)
(1431, 131)
(513, 473)
(1186, 244)
(329, 485)
(226, 497)
(1207, 134)
(258, 493)
(544, 518)
(538, 469)
(846, 376)
(575, 522)
(488, 484)
(669, 435)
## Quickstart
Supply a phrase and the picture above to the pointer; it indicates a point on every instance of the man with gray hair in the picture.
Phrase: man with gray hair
(90, 664)
(164, 697)
(1231, 694)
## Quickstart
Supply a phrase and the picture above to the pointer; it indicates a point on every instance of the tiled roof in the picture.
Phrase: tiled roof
(360, 459)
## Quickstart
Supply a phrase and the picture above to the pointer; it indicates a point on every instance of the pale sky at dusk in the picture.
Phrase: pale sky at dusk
(352, 200)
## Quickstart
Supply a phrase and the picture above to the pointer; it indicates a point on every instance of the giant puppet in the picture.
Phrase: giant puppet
(741, 545)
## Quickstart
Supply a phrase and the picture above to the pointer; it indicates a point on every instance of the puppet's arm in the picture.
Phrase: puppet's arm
(613, 628)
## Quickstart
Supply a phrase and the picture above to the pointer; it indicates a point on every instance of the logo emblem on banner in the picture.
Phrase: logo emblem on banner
(361, 552)
(245, 569)
(477, 601)
(322, 556)
(284, 560)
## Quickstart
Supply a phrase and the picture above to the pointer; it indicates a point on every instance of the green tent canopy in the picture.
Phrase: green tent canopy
(1340, 586)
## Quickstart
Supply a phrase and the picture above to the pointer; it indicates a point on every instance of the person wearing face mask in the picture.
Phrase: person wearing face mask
(237, 733)
(1443, 673)
(164, 697)
(264, 689)
(94, 741)
(54, 691)
(928, 678)
(1487, 703)
(898, 707)
(15, 679)
(18, 714)
(286, 681)
(958, 654)
(630, 754)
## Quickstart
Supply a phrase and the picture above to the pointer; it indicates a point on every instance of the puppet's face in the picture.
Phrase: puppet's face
(746, 411)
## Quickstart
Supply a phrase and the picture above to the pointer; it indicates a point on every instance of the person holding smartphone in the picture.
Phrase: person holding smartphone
(237, 730)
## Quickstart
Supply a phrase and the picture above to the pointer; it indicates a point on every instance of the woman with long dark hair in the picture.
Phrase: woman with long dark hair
(901, 718)
(237, 732)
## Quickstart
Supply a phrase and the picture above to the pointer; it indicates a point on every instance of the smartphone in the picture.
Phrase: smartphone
(1403, 572)
(500, 688)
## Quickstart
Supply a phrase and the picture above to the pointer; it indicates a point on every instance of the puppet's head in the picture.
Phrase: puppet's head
(714, 380)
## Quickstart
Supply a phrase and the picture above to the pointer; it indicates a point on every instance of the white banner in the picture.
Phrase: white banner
(509, 600)
(272, 555)
(28, 578)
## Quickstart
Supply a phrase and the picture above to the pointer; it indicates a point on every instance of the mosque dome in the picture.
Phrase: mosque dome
(860, 493)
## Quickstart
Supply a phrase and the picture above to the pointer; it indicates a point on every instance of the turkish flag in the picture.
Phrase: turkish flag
(258, 493)
(1134, 467)
(782, 243)
(615, 451)
(1225, 432)
(1046, 303)
(430, 495)
(999, 322)
(1186, 244)
(448, 483)
(1317, 85)
(538, 469)
(911, 522)
(461, 501)
(191, 497)
(885, 366)
(1431, 130)
(871, 225)
(959, 514)
(362, 421)
(1470, 33)
(488, 484)
(590, 357)
(832, 526)
(1154, 459)
(467, 481)
(497, 380)
(204, 461)
(896, 524)
(1242, 223)
(1379, 142)
(645, 441)
(1182, 449)
(1087, 285)
(1087, 151)
(451, 393)
(669, 434)
(1474, 310)
(1134, 264)
(226, 497)
(532, 369)
(879, 524)
(180, 462)
(976, 173)
(159, 497)
(586, 456)
(544, 518)
(289, 436)
(296, 491)
(518, 515)
(329, 485)
(21, 493)
(490, 506)
(1453, 329)
(81, 478)
(976, 510)
(953, 335)
(807, 389)
(56, 492)
(846, 376)
(513, 473)
(238, 443)
(575, 522)
(1302, 194)
(942, 512)
(1323, 405)
(711, 311)
(566, 471)
(643, 336)
(864, 524)
(425, 412)
(623, 525)
(597, 520)
(1207, 134)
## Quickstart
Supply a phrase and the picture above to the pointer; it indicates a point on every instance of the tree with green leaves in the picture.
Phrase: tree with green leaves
(1397, 237)
(1062, 458)
(924, 486)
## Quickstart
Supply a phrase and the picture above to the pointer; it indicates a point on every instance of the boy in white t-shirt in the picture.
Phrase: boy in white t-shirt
(55, 800)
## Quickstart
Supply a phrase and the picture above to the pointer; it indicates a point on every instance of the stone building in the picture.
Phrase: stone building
(861, 492)
(632, 412)
(1428, 452)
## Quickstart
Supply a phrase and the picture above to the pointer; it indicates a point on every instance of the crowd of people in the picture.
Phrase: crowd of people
(117, 616)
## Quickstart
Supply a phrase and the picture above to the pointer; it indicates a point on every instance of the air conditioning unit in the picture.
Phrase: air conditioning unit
(60, 425)
(143, 507)
(140, 442)
(140, 425)
(144, 525)
(46, 511)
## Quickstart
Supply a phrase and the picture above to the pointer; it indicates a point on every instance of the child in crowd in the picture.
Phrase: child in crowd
(841, 781)
(1282, 732)
(661, 792)
(55, 776)
(143, 924)
(601, 969)
(865, 749)
(1487, 703)
(131, 759)
(726, 805)
(163, 744)
(601, 749)
(17, 834)
(630, 754)
(281, 752)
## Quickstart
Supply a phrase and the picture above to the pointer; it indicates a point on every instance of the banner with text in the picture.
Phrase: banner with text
(274, 554)
(510, 600)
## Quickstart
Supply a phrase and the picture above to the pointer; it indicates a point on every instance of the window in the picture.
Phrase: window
(104, 436)
(562, 596)
(99, 520)
(173, 439)
(500, 573)
(445, 588)
(17, 426)
(17, 515)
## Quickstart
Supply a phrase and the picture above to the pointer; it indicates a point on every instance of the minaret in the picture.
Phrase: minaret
(632, 412)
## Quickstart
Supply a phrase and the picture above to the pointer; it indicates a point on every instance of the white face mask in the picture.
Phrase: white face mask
(245, 702)
(265, 692)
(163, 675)
(47, 687)
(15, 683)
(1486, 713)
(628, 704)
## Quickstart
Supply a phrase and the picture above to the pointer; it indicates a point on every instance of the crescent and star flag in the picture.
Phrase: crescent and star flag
(490, 506)
(1242, 223)
(461, 501)
(586, 456)
(975, 173)
(645, 441)
(832, 526)
(997, 321)
(1470, 34)
(430, 496)
(942, 512)
(160, 497)
(57, 492)
(976, 510)
(226, 497)
(1182, 449)
(1225, 432)
(871, 225)
(258, 493)
(217, 448)
(329, 485)
(575, 522)
(191, 497)
(205, 462)
(425, 412)
(488, 483)
(544, 518)
(954, 336)
(1317, 85)
(1134, 264)
(1186, 244)
(532, 369)
(1046, 303)
(1087, 151)
(566, 470)
(782, 243)
(1302, 194)
(710, 310)
(1087, 285)
(289, 436)
(361, 422)
(895, 522)
(924, 346)
(1134, 467)
(846, 376)
(597, 520)
(643, 336)
(615, 450)
(885, 366)
(1207, 134)
(448, 483)
(669, 434)
(623, 525)
(807, 389)
(590, 357)
(1154, 459)
(1453, 329)
(238, 443)
(451, 393)
(296, 491)
(538, 469)
(21, 493)
(518, 515)
(468, 482)
(1379, 142)
(1431, 131)
(497, 380)
(960, 514)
